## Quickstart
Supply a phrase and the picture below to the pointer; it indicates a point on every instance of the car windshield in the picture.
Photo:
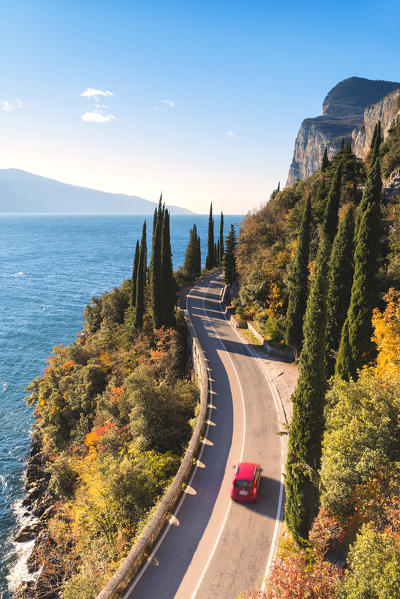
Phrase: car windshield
(243, 484)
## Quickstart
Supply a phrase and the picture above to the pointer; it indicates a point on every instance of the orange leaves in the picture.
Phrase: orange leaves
(68, 366)
(92, 438)
(115, 394)
(387, 336)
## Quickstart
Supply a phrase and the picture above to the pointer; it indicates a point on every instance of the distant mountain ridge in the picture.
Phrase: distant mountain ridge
(350, 110)
(21, 191)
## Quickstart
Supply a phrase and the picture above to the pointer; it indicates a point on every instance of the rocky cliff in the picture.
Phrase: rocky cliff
(351, 109)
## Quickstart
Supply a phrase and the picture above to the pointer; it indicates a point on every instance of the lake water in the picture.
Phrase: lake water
(50, 266)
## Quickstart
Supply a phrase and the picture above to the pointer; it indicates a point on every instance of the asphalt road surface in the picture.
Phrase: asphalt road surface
(215, 548)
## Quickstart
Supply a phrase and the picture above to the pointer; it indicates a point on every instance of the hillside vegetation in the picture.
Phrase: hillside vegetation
(113, 413)
(319, 271)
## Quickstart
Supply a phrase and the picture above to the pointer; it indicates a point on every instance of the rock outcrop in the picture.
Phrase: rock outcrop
(351, 109)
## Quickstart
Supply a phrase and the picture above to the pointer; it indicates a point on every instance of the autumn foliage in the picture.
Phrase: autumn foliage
(113, 412)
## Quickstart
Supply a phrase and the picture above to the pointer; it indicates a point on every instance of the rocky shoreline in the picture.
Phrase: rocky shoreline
(38, 505)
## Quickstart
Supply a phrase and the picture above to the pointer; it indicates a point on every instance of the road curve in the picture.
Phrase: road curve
(216, 548)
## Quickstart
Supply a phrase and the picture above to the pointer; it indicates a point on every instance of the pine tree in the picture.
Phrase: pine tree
(339, 287)
(356, 348)
(167, 277)
(306, 429)
(210, 259)
(298, 287)
(221, 240)
(141, 281)
(155, 267)
(325, 160)
(229, 259)
(134, 274)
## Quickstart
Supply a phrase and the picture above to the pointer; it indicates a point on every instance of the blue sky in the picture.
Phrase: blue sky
(207, 97)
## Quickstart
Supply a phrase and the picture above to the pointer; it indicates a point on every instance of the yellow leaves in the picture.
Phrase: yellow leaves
(68, 366)
(105, 360)
(387, 336)
(91, 439)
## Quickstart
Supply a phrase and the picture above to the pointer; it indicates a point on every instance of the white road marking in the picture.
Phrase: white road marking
(241, 458)
(280, 499)
(175, 514)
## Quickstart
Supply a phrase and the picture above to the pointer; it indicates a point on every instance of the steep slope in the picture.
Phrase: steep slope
(25, 192)
(347, 111)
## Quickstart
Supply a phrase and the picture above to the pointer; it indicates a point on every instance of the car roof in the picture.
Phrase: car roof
(245, 470)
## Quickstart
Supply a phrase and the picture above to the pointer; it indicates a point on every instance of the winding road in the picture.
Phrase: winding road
(213, 547)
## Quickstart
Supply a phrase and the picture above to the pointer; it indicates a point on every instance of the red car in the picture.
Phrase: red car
(246, 482)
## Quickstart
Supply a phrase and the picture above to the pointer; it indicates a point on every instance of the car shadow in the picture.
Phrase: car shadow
(268, 499)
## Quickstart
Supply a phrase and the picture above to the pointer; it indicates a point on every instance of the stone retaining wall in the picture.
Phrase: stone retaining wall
(119, 583)
(244, 324)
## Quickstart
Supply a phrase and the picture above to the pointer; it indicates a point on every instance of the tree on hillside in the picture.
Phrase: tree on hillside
(167, 278)
(141, 281)
(298, 287)
(306, 429)
(307, 426)
(325, 160)
(356, 347)
(221, 240)
(210, 259)
(229, 259)
(376, 141)
(134, 274)
(155, 267)
(330, 221)
(191, 266)
(339, 287)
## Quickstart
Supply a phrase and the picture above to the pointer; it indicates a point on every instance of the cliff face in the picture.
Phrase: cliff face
(351, 109)
(385, 111)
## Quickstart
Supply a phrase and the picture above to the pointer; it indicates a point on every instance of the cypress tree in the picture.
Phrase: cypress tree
(190, 256)
(229, 259)
(306, 429)
(221, 240)
(141, 280)
(372, 191)
(325, 160)
(134, 274)
(192, 266)
(210, 259)
(298, 287)
(198, 256)
(330, 221)
(356, 347)
(339, 287)
(155, 267)
(217, 254)
(167, 277)
(376, 141)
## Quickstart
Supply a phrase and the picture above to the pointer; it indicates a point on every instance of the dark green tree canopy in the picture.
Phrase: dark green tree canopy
(229, 260)
(210, 259)
(298, 285)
